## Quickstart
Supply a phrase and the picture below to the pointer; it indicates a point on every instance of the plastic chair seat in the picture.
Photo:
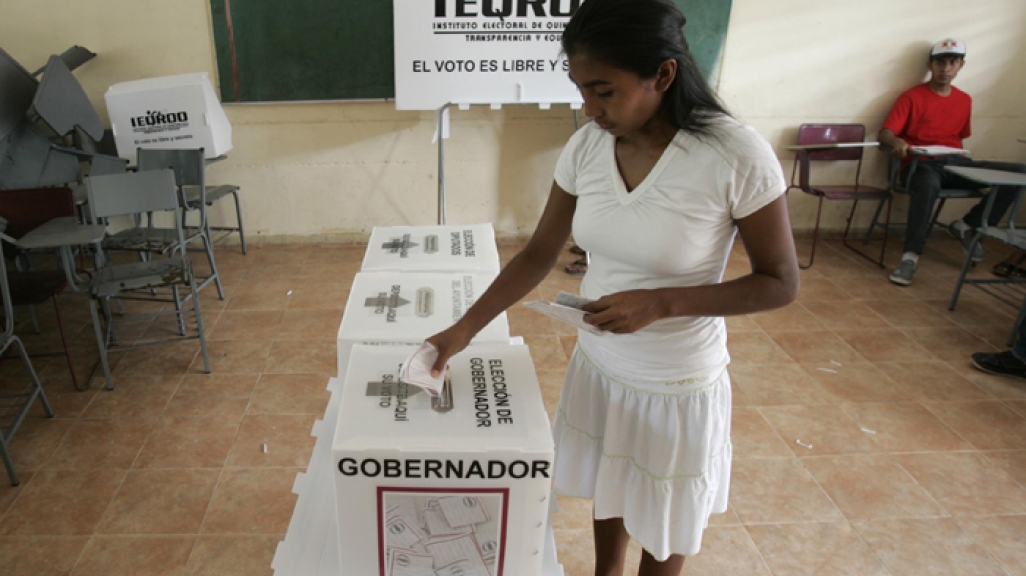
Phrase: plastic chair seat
(158, 240)
(111, 280)
(1015, 238)
(35, 287)
(214, 193)
(842, 192)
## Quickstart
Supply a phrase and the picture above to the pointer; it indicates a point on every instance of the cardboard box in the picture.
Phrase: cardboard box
(432, 249)
(458, 493)
(404, 308)
(168, 112)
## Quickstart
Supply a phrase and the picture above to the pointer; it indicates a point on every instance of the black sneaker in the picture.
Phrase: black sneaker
(1002, 364)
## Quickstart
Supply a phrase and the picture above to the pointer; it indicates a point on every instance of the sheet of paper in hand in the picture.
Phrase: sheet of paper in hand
(417, 370)
(566, 308)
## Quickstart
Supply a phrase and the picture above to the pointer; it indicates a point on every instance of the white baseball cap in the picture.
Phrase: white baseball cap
(948, 47)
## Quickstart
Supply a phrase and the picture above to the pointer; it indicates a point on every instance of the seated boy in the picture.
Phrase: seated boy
(937, 113)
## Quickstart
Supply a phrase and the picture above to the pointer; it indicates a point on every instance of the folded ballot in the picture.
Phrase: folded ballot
(416, 370)
(566, 308)
(939, 151)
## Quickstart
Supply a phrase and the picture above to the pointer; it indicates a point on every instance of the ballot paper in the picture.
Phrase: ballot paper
(566, 308)
(442, 534)
(938, 150)
(416, 370)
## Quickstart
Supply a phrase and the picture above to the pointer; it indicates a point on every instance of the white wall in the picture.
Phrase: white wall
(331, 171)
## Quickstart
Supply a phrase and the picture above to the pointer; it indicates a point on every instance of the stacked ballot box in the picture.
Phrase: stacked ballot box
(168, 112)
(404, 308)
(421, 490)
(469, 248)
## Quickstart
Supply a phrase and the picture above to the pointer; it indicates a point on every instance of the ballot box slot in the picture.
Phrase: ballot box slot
(443, 402)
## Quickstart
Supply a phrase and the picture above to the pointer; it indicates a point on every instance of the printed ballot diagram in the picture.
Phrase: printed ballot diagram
(444, 533)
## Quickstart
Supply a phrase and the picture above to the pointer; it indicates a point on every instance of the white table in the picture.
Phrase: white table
(832, 145)
(988, 176)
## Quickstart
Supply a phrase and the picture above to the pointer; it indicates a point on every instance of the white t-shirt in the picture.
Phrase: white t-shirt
(675, 229)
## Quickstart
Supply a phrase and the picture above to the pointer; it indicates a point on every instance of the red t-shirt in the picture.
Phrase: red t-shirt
(922, 117)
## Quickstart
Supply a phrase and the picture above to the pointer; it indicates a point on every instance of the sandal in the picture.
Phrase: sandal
(577, 267)
(577, 250)
(1010, 265)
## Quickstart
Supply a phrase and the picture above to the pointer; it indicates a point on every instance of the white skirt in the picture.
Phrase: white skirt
(657, 456)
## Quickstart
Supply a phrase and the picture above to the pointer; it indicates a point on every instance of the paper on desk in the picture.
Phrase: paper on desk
(416, 370)
(566, 308)
(938, 150)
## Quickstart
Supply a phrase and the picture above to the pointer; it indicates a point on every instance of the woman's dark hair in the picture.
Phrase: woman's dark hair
(639, 35)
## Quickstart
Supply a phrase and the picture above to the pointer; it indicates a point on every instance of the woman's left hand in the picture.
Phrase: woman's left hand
(624, 312)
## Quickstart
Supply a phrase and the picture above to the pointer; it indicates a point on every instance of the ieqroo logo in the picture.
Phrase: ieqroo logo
(505, 8)
(154, 118)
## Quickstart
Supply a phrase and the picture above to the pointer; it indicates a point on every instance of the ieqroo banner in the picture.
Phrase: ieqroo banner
(481, 51)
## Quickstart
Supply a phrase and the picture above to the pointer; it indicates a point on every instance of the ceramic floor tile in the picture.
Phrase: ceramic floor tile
(753, 437)
(778, 490)
(319, 296)
(134, 397)
(1013, 462)
(727, 550)
(546, 352)
(986, 425)
(287, 438)
(247, 325)
(845, 315)
(309, 324)
(294, 394)
(101, 444)
(816, 346)
(37, 438)
(853, 382)
(569, 343)
(966, 483)
(872, 487)
(1003, 536)
(212, 395)
(937, 547)
(252, 501)
(167, 359)
(524, 321)
(40, 555)
(907, 313)
(868, 288)
(975, 313)
(573, 514)
(820, 290)
(886, 345)
(792, 317)
(62, 502)
(755, 348)
(775, 384)
(1002, 387)
(135, 556)
(931, 381)
(190, 442)
(10, 493)
(259, 297)
(824, 427)
(302, 357)
(815, 549)
(233, 556)
(949, 342)
(904, 427)
(160, 502)
(551, 384)
(742, 324)
(234, 357)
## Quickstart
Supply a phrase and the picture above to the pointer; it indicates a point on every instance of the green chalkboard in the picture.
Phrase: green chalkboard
(280, 50)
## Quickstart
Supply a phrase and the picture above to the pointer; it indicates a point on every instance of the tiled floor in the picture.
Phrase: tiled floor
(917, 462)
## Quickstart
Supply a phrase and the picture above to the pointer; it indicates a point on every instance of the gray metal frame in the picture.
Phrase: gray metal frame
(14, 407)
(133, 193)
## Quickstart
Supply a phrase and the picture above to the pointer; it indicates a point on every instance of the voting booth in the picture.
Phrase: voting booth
(404, 308)
(432, 249)
(169, 112)
(461, 491)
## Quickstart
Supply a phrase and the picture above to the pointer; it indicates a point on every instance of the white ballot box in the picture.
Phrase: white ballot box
(404, 308)
(432, 249)
(421, 490)
(168, 112)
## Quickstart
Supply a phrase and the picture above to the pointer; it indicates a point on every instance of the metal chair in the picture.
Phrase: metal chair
(214, 194)
(135, 193)
(899, 185)
(25, 210)
(813, 134)
(14, 407)
(187, 166)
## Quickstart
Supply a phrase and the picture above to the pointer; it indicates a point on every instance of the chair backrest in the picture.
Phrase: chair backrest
(188, 164)
(131, 193)
(62, 103)
(832, 134)
(26, 210)
(17, 87)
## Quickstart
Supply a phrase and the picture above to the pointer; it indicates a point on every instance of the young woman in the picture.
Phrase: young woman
(655, 188)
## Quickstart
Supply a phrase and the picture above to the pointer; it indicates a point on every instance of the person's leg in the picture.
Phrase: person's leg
(1005, 195)
(652, 567)
(1019, 348)
(1008, 363)
(611, 540)
(923, 188)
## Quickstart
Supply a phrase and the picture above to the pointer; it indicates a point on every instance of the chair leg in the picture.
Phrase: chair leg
(208, 246)
(199, 324)
(64, 342)
(876, 219)
(101, 343)
(815, 237)
(936, 216)
(887, 228)
(37, 385)
(965, 270)
(178, 310)
(34, 318)
(11, 474)
(238, 215)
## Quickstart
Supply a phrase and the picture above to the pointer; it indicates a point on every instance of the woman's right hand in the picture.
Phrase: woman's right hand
(449, 343)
